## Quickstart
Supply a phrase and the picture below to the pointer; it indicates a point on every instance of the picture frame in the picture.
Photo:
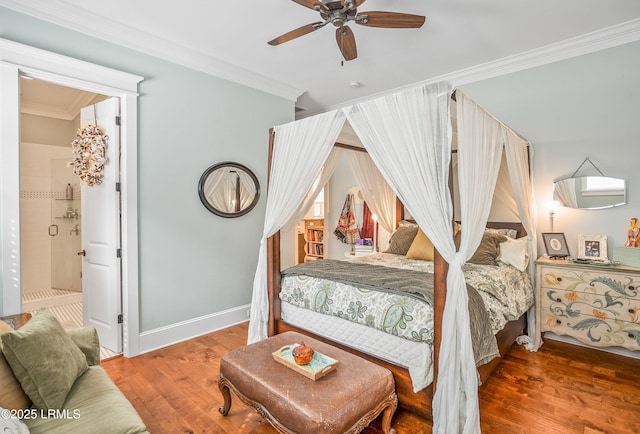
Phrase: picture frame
(592, 247)
(556, 244)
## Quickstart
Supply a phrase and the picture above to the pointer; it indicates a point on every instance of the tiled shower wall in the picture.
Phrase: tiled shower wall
(48, 261)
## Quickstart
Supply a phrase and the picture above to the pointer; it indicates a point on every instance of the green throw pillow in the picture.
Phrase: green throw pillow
(44, 359)
(488, 250)
(402, 239)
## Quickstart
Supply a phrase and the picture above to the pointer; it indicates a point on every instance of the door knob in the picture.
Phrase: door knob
(82, 253)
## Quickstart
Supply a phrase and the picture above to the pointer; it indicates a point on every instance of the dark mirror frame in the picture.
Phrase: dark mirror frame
(216, 211)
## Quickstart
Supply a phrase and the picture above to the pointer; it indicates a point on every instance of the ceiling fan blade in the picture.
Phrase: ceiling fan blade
(300, 31)
(312, 4)
(356, 3)
(346, 42)
(392, 20)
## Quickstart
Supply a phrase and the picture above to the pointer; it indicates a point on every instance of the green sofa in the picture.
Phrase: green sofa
(51, 382)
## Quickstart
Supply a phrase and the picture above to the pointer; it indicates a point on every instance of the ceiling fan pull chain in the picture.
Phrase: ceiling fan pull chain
(341, 46)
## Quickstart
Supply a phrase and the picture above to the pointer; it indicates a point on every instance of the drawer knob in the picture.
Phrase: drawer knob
(631, 287)
(559, 279)
(632, 310)
(558, 321)
(558, 299)
(632, 336)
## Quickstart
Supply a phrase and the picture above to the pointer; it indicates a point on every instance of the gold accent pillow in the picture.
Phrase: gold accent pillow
(12, 397)
(421, 248)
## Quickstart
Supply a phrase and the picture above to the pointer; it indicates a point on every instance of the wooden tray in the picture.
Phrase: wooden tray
(319, 366)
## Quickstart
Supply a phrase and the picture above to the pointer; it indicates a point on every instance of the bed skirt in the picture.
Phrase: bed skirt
(416, 357)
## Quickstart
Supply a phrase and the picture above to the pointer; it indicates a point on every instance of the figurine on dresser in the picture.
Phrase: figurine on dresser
(633, 236)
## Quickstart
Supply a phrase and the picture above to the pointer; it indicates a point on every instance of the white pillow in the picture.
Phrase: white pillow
(515, 252)
(10, 424)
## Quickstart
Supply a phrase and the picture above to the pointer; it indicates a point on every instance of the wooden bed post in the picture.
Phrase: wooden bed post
(273, 276)
(441, 268)
(273, 260)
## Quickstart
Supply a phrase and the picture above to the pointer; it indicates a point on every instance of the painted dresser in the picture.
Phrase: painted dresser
(595, 304)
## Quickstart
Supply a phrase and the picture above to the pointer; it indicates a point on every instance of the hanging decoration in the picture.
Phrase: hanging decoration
(347, 230)
(90, 154)
(368, 224)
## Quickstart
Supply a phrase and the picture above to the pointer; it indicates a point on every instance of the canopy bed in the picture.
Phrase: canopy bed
(417, 168)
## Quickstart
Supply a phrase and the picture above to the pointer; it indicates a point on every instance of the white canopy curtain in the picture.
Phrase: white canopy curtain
(566, 192)
(325, 174)
(479, 156)
(247, 189)
(219, 188)
(300, 150)
(379, 196)
(519, 157)
(417, 122)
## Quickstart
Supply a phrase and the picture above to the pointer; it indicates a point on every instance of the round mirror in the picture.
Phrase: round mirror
(590, 192)
(229, 189)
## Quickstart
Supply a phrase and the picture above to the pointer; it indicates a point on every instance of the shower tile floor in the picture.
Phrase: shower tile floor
(66, 306)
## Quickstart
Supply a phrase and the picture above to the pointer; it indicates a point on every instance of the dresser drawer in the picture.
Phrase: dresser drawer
(609, 304)
(598, 331)
(597, 305)
(590, 282)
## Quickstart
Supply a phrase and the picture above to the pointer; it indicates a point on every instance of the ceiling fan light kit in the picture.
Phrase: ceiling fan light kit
(340, 13)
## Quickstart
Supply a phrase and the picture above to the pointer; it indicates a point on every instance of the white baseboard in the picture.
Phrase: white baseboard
(182, 331)
(615, 350)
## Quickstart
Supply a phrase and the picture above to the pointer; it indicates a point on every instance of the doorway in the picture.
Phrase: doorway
(51, 221)
(18, 60)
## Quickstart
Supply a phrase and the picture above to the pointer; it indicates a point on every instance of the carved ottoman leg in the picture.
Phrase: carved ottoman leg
(223, 385)
(387, 414)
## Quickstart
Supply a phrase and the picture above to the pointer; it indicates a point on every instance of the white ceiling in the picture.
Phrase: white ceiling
(229, 39)
(50, 100)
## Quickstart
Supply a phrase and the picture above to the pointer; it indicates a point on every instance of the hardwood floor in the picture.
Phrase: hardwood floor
(562, 388)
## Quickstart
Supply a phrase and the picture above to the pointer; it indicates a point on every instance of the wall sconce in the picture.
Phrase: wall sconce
(553, 206)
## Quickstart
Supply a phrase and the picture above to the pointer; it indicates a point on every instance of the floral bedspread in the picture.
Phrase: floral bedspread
(506, 292)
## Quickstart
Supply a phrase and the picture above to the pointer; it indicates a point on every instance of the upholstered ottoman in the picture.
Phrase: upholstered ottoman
(345, 400)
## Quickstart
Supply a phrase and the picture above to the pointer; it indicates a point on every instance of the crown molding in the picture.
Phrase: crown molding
(62, 14)
(609, 37)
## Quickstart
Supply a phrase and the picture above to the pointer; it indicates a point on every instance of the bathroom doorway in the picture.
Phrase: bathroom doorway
(51, 221)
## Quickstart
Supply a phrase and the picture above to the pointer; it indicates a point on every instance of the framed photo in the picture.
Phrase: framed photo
(593, 247)
(556, 244)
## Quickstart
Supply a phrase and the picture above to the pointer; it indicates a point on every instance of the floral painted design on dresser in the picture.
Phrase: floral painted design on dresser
(601, 309)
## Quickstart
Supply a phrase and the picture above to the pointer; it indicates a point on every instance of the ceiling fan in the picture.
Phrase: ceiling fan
(341, 12)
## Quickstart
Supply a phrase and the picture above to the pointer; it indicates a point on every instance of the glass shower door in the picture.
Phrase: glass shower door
(65, 229)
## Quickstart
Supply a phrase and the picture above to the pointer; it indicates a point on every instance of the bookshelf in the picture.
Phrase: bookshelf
(314, 239)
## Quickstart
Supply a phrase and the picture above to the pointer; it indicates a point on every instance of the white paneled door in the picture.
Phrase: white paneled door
(100, 211)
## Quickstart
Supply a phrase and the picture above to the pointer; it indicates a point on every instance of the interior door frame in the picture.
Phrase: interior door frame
(18, 60)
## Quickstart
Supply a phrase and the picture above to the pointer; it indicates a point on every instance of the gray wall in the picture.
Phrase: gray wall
(588, 106)
(192, 263)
